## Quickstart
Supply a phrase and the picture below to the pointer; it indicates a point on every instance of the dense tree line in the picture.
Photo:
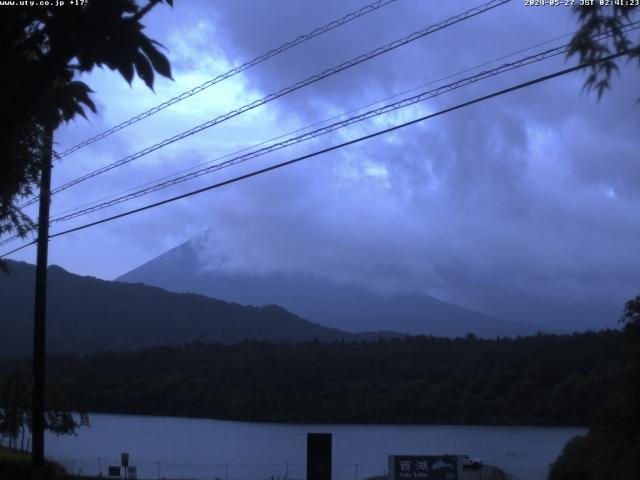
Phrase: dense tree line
(546, 379)
(611, 448)
(62, 416)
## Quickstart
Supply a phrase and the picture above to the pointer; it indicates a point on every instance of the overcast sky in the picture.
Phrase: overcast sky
(524, 206)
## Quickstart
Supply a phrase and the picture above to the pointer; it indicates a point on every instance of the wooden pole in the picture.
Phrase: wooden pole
(40, 316)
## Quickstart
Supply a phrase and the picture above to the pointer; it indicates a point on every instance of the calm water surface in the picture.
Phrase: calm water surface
(167, 447)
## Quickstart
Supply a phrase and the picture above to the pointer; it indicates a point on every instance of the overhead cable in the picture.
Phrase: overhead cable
(100, 205)
(318, 132)
(234, 71)
(314, 78)
(329, 149)
(309, 126)
(406, 102)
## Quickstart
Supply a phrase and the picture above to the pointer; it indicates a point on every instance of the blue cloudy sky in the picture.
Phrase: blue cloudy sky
(524, 206)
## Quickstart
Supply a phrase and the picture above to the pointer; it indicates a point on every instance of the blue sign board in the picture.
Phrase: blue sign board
(423, 467)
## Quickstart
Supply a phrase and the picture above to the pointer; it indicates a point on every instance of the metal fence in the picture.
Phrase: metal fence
(228, 471)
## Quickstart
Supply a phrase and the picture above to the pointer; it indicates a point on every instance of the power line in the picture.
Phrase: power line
(234, 71)
(321, 131)
(314, 124)
(421, 97)
(314, 78)
(138, 191)
(625, 28)
(335, 117)
(329, 149)
(96, 206)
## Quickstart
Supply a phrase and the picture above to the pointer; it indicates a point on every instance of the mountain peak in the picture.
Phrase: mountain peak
(343, 305)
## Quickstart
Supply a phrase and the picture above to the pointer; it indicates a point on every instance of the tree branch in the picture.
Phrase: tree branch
(144, 10)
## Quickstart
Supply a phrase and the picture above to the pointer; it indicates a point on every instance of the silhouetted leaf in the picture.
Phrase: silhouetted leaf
(143, 67)
(594, 21)
(158, 60)
(126, 70)
(81, 92)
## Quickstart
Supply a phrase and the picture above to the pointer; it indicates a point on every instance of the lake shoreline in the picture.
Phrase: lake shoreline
(355, 423)
(178, 447)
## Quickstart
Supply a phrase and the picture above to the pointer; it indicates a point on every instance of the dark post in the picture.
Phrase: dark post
(124, 460)
(40, 315)
(318, 456)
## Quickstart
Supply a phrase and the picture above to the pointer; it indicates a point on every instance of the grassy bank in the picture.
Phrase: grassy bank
(16, 465)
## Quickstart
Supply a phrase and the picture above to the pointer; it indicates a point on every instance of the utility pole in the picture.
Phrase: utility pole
(40, 314)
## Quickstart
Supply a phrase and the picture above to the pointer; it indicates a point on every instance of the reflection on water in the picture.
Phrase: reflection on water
(166, 447)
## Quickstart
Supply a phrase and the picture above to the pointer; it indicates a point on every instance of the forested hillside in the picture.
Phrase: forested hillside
(86, 314)
(546, 380)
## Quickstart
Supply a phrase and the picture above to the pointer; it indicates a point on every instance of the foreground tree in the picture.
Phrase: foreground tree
(15, 409)
(611, 448)
(42, 49)
(595, 20)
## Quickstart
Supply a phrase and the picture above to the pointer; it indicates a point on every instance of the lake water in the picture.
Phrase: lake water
(167, 447)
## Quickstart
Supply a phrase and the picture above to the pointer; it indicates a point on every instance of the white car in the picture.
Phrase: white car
(468, 462)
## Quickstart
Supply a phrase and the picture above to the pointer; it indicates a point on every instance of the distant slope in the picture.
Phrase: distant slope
(345, 306)
(89, 315)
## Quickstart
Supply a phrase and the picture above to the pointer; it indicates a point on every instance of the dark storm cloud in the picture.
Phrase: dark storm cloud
(248, 28)
(524, 206)
(526, 244)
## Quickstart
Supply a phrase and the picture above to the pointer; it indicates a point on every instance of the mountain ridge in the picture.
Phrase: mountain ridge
(349, 307)
(86, 314)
